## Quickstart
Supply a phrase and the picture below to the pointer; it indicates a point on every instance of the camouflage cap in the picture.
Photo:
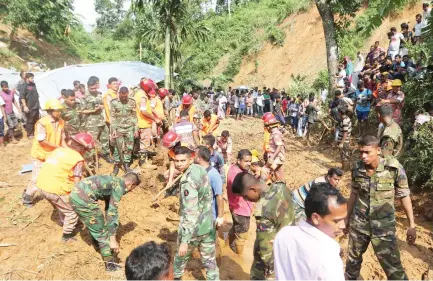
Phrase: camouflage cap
(386, 110)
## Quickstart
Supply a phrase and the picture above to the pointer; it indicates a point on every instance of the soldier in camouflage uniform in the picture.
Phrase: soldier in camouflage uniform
(84, 200)
(94, 118)
(376, 182)
(389, 134)
(196, 227)
(123, 129)
(273, 211)
(71, 115)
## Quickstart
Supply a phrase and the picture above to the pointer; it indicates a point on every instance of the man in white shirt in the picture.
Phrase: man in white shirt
(394, 45)
(340, 76)
(260, 103)
(417, 29)
(426, 10)
(308, 251)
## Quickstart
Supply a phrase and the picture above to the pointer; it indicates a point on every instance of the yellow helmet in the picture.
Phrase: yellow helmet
(396, 83)
(255, 156)
(53, 104)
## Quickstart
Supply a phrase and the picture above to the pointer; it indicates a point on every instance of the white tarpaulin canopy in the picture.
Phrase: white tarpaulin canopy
(50, 83)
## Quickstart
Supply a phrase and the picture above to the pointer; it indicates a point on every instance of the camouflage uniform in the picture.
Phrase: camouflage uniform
(273, 212)
(84, 200)
(373, 217)
(95, 123)
(72, 120)
(196, 225)
(391, 139)
(123, 125)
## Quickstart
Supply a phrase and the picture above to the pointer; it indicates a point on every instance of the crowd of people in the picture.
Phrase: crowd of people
(296, 227)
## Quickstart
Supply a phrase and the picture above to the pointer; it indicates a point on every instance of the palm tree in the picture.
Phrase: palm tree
(172, 22)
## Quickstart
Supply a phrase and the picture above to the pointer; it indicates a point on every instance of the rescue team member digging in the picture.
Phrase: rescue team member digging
(273, 211)
(60, 171)
(49, 136)
(196, 227)
(209, 123)
(186, 104)
(84, 200)
(376, 182)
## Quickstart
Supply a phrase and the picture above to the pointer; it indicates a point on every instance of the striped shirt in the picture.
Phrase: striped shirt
(344, 126)
(301, 193)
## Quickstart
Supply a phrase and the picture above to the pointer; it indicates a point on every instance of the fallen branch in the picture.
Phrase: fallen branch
(30, 222)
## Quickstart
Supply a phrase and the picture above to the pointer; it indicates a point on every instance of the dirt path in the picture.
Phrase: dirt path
(39, 254)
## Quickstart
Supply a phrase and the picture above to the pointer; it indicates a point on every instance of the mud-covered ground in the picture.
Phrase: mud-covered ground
(38, 252)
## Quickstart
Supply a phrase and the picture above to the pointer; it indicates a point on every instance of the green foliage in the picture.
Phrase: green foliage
(299, 86)
(275, 35)
(321, 82)
(418, 161)
(110, 14)
(42, 17)
(238, 35)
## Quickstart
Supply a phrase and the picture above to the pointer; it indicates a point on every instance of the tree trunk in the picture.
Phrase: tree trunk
(329, 29)
(167, 58)
(11, 37)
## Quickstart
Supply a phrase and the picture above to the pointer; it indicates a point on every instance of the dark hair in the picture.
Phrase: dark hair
(361, 84)
(242, 153)
(397, 56)
(68, 93)
(182, 150)
(311, 99)
(112, 79)
(317, 200)
(133, 177)
(124, 90)
(342, 110)
(225, 134)
(368, 140)
(207, 113)
(92, 81)
(83, 86)
(337, 93)
(386, 110)
(4, 83)
(76, 83)
(335, 171)
(209, 140)
(419, 15)
(404, 26)
(63, 92)
(393, 29)
(29, 75)
(204, 153)
(22, 73)
(242, 182)
(425, 4)
(149, 261)
(184, 113)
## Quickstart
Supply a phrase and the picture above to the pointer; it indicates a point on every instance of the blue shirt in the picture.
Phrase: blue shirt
(217, 161)
(217, 187)
(362, 100)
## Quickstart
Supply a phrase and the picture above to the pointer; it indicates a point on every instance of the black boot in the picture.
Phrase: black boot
(107, 158)
(27, 200)
(143, 157)
(126, 168)
(116, 169)
(68, 237)
(110, 265)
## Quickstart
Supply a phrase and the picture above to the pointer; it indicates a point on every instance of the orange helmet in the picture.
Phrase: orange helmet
(85, 140)
(266, 115)
(170, 139)
(187, 99)
(162, 92)
(147, 85)
(152, 93)
(270, 119)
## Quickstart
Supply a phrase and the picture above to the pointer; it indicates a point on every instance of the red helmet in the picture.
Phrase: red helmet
(266, 115)
(170, 139)
(152, 93)
(187, 99)
(162, 92)
(85, 140)
(270, 119)
(147, 85)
